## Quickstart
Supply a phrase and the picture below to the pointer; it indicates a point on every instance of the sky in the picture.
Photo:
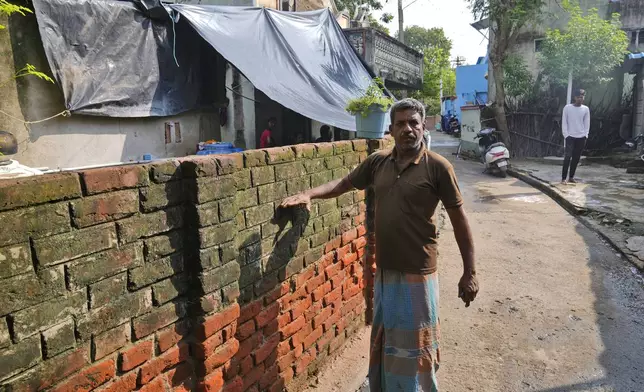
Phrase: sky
(453, 16)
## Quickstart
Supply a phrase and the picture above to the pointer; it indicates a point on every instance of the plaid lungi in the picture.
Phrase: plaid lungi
(405, 333)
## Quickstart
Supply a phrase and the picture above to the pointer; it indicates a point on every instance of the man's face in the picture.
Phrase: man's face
(271, 124)
(407, 129)
(580, 99)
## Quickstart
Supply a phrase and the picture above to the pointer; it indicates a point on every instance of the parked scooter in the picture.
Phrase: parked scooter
(494, 154)
(454, 127)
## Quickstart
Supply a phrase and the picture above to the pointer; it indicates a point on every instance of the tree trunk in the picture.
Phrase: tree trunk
(499, 107)
(401, 27)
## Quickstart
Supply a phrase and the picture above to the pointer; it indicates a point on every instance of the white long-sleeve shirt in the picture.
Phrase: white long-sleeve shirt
(575, 121)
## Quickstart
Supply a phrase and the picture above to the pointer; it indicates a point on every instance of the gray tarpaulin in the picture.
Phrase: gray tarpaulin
(111, 59)
(300, 59)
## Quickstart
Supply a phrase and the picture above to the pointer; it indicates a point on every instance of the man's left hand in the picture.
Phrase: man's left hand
(468, 287)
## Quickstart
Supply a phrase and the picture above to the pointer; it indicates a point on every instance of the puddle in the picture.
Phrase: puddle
(528, 199)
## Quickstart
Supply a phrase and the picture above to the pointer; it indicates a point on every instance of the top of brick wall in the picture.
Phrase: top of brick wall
(52, 187)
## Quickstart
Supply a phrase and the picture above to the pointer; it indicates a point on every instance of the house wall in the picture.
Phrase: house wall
(182, 273)
(229, 133)
(470, 86)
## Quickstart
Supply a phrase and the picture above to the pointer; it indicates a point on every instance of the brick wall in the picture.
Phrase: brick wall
(181, 275)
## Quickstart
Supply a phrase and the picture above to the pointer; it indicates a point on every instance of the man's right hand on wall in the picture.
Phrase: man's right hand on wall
(297, 200)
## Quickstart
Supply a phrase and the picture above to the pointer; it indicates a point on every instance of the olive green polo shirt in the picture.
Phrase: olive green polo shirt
(406, 201)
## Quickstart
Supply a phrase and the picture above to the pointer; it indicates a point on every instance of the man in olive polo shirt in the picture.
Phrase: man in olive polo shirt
(408, 182)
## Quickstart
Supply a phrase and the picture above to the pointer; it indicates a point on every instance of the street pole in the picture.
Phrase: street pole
(441, 96)
(401, 29)
(569, 93)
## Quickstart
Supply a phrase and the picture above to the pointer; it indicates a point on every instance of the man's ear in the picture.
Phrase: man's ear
(390, 128)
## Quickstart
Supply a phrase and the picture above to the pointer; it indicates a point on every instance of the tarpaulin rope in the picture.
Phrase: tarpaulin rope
(64, 113)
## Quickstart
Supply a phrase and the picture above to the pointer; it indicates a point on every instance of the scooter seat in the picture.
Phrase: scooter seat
(497, 144)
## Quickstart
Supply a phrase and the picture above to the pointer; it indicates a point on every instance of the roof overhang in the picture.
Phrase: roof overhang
(481, 24)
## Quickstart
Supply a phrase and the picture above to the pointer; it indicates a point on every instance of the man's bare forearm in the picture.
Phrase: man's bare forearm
(463, 235)
(330, 190)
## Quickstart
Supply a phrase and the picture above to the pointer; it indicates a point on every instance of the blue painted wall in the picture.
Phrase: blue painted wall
(471, 85)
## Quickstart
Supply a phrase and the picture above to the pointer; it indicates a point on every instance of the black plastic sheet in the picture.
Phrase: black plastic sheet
(300, 59)
(112, 58)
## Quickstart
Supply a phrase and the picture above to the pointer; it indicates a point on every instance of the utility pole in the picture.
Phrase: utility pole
(401, 28)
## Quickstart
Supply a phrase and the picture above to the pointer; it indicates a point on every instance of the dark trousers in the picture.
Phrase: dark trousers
(574, 148)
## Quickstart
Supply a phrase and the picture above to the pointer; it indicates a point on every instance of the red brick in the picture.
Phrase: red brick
(115, 177)
(332, 270)
(313, 311)
(269, 377)
(203, 350)
(333, 244)
(179, 375)
(349, 236)
(246, 365)
(217, 321)
(335, 317)
(287, 375)
(284, 319)
(103, 208)
(246, 329)
(136, 355)
(293, 327)
(268, 314)
(287, 300)
(362, 230)
(361, 253)
(284, 347)
(213, 382)
(341, 252)
(156, 385)
(321, 291)
(326, 260)
(341, 325)
(22, 192)
(351, 305)
(351, 292)
(271, 328)
(89, 378)
(53, 371)
(266, 349)
(253, 376)
(125, 383)
(349, 258)
(248, 345)
(304, 360)
(277, 293)
(231, 369)
(250, 310)
(337, 280)
(359, 243)
(279, 385)
(325, 340)
(284, 363)
(322, 317)
(359, 219)
(165, 361)
(304, 276)
(299, 337)
(300, 307)
(222, 355)
(271, 359)
(167, 338)
(313, 336)
(314, 283)
(234, 385)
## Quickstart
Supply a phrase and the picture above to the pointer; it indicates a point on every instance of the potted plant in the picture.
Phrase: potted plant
(370, 111)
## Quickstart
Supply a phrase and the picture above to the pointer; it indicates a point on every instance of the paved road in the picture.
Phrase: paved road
(558, 311)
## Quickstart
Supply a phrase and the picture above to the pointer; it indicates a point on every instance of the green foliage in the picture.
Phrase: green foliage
(354, 5)
(29, 69)
(518, 79)
(7, 8)
(372, 99)
(387, 17)
(436, 49)
(377, 25)
(590, 47)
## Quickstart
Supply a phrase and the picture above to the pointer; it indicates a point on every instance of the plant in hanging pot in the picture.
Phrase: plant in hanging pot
(370, 111)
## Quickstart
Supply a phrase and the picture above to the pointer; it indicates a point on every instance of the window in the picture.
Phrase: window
(634, 37)
(537, 45)
(641, 37)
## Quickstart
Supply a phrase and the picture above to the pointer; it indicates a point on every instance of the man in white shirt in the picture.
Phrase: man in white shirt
(575, 124)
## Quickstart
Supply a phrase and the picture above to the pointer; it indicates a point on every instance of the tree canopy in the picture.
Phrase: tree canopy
(590, 46)
(436, 48)
(353, 5)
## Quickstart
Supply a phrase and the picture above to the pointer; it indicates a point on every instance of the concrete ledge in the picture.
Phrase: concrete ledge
(578, 212)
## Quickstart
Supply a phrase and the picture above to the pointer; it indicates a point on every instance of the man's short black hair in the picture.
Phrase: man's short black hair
(406, 104)
(272, 119)
(580, 92)
(325, 130)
